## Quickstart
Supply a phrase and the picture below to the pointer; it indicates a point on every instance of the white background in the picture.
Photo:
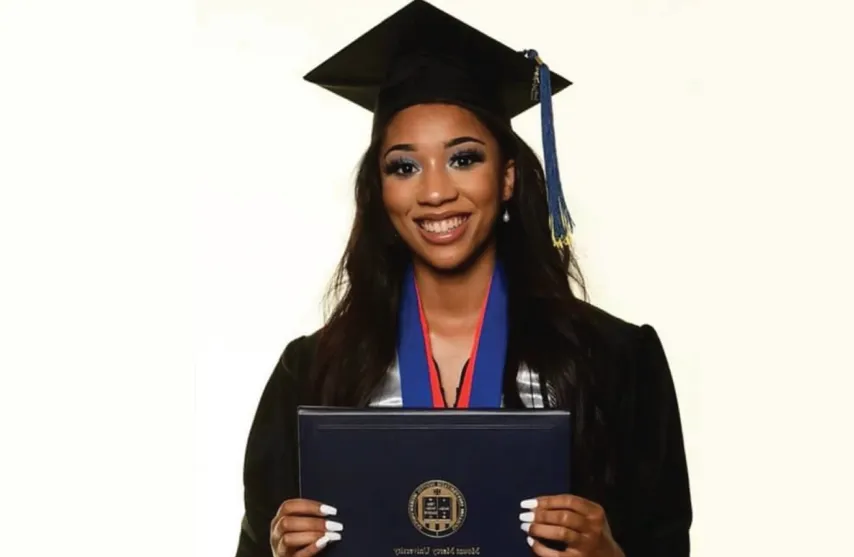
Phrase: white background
(174, 199)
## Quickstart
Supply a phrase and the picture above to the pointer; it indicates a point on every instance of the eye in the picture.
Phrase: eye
(466, 159)
(400, 167)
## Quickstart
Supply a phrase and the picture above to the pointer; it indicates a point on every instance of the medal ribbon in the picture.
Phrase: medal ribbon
(482, 380)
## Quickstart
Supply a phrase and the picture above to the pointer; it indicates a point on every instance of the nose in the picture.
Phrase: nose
(436, 186)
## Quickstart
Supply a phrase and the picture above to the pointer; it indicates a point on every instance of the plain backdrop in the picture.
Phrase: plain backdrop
(175, 198)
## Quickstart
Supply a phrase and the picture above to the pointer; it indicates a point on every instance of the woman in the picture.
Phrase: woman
(454, 213)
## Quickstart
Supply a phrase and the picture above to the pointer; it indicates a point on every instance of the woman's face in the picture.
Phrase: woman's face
(443, 182)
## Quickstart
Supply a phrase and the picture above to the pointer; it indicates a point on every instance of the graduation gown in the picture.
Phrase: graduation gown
(648, 505)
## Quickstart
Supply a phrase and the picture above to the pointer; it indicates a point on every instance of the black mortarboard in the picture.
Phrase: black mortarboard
(421, 54)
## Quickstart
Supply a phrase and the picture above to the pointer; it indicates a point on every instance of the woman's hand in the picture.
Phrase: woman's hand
(576, 522)
(300, 528)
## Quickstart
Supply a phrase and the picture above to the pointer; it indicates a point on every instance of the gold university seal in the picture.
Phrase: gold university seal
(437, 508)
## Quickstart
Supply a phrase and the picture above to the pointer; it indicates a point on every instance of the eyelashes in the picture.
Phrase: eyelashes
(469, 157)
(461, 160)
(400, 166)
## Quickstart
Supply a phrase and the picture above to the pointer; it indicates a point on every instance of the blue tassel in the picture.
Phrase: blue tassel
(560, 220)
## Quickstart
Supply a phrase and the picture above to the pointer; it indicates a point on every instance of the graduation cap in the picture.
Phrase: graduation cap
(420, 54)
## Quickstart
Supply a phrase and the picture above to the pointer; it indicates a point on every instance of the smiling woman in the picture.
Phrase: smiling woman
(444, 178)
(461, 242)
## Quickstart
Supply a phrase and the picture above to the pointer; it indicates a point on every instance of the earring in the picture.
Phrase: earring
(506, 216)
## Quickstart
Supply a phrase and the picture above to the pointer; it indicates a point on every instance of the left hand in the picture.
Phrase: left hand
(577, 522)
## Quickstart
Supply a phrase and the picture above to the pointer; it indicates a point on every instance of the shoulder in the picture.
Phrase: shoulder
(604, 333)
(628, 359)
(599, 322)
(296, 358)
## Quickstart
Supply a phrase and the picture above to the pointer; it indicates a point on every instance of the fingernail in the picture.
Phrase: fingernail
(332, 526)
(526, 526)
(526, 517)
(326, 510)
(321, 543)
(530, 541)
(333, 536)
(529, 504)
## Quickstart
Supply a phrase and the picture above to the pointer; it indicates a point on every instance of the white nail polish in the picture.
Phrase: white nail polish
(332, 526)
(326, 510)
(333, 536)
(321, 543)
(526, 526)
(529, 504)
(526, 517)
(530, 541)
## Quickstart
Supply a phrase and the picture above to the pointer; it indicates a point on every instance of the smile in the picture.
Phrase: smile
(443, 226)
(443, 231)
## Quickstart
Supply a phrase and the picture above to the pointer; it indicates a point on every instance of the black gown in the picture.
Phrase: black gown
(648, 505)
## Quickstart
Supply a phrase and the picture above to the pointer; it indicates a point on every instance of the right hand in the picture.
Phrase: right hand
(301, 529)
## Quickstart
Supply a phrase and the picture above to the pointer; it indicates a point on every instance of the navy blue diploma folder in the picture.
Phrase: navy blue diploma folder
(431, 482)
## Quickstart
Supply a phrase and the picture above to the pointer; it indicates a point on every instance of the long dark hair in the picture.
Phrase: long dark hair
(358, 343)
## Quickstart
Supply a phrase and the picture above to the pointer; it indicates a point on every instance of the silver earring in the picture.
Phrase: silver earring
(506, 216)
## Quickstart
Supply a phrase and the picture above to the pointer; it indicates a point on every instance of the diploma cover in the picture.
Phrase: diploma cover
(415, 482)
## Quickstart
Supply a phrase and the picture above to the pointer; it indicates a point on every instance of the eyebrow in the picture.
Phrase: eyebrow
(448, 144)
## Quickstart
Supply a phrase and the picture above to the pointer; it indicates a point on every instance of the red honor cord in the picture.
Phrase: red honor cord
(468, 374)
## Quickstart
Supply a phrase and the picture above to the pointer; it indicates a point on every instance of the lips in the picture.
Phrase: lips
(442, 226)
(443, 229)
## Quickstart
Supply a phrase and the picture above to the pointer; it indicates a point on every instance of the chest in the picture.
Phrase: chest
(451, 355)
(390, 395)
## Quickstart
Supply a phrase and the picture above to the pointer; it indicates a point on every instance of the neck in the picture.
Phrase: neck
(455, 294)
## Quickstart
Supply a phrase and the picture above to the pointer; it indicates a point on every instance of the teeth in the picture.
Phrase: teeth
(442, 226)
